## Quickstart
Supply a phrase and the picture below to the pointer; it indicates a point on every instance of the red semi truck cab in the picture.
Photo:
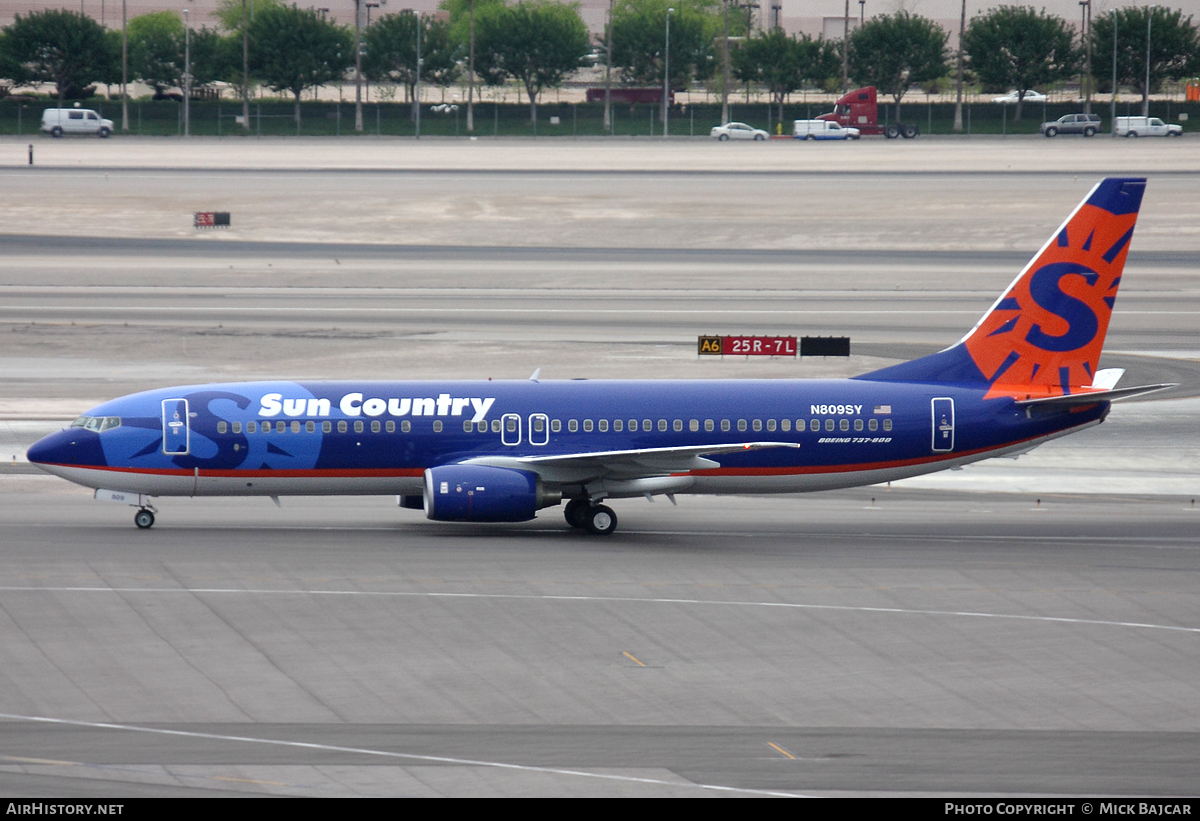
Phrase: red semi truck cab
(860, 109)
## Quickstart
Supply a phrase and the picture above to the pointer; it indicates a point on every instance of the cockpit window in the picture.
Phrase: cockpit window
(98, 424)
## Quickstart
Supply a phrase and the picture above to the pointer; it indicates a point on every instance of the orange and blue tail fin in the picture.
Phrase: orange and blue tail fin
(1043, 336)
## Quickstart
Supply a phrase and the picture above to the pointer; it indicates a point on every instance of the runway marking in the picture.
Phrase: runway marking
(780, 750)
(468, 762)
(608, 599)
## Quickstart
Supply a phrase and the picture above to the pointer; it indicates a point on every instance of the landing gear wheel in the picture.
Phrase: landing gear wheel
(576, 513)
(601, 521)
(144, 519)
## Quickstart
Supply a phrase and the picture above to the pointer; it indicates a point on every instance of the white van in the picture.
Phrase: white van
(1145, 127)
(59, 121)
(822, 130)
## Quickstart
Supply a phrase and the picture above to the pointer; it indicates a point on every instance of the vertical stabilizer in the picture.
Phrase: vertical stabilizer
(1043, 336)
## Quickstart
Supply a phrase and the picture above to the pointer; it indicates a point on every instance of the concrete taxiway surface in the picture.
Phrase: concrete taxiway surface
(1022, 627)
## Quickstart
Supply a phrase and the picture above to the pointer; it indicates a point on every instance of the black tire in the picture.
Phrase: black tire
(576, 513)
(892, 131)
(1174, 134)
(144, 519)
(722, 138)
(1090, 131)
(601, 521)
(758, 138)
(1129, 134)
(1052, 131)
(909, 131)
(56, 131)
(103, 133)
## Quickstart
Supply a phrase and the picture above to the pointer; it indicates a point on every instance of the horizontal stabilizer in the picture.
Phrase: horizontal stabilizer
(1088, 397)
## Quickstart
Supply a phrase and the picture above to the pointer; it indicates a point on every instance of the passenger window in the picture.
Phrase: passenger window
(694, 425)
(618, 425)
(741, 424)
(341, 426)
(406, 426)
(828, 424)
(677, 425)
(495, 426)
(785, 425)
(295, 427)
(647, 425)
(375, 426)
(222, 427)
(390, 426)
(539, 424)
(603, 423)
(725, 425)
(251, 427)
(358, 426)
(573, 425)
(873, 424)
(662, 425)
(326, 427)
(555, 426)
(587, 425)
(858, 424)
(310, 426)
(237, 427)
(437, 425)
(281, 426)
(468, 426)
(799, 425)
(708, 425)
(633, 426)
(887, 424)
(843, 424)
(511, 424)
(757, 425)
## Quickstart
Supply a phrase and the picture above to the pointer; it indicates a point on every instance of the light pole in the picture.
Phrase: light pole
(1113, 103)
(607, 69)
(245, 70)
(667, 76)
(846, 47)
(124, 70)
(958, 82)
(1085, 7)
(471, 70)
(187, 73)
(358, 122)
(1146, 92)
(417, 87)
(862, 12)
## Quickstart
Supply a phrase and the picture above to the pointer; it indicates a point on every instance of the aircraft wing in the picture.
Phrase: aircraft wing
(622, 464)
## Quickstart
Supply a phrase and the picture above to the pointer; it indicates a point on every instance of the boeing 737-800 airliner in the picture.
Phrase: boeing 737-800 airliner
(500, 451)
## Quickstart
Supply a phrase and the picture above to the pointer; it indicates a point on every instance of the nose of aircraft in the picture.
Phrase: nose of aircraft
(70, 446)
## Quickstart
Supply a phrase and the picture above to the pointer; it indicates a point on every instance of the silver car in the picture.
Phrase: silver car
(737, 131)
(1086, 124)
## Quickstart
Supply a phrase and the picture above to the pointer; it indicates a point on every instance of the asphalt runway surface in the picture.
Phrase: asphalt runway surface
(1015, 628)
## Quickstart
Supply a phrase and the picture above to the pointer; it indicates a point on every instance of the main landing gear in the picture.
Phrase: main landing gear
(597, 519)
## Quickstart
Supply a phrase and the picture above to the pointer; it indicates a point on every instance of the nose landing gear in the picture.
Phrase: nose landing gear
(144, 518)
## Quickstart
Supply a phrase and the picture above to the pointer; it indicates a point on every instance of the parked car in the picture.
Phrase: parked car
(822, 130)
(1010, 98)
(1145, 127)
(59, 121)
(1085, 124)
(737, 131)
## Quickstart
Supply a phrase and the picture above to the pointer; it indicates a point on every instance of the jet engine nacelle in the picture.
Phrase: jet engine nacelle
(479, 493)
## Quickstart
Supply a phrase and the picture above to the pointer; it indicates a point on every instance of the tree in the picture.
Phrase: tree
(292, 49)
(784, 64)
(1174, 48)
(156, 50)
(391, 52)
(60, 47)
(538, 42)
(639, 40)
(892, 52)
(1019, 47)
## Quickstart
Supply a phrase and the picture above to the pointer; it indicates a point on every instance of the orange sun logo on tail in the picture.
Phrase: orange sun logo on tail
(1043, 337)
